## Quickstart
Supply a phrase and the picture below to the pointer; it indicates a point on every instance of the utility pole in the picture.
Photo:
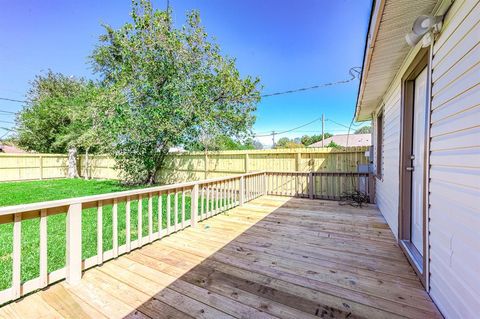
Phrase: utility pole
(323, 126)
(273, 139)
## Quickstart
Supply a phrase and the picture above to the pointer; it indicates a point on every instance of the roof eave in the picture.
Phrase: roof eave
(373, 26)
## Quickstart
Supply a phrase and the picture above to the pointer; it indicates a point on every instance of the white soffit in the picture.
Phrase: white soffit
(386, 49)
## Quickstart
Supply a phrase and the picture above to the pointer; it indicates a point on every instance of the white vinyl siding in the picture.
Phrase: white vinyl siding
(455, 164)
(387, 187)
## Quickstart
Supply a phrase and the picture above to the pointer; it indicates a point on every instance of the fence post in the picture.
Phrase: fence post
(298, 158)
(74, 243)
(194, 205)
(246, 162)
(310, 185)
(242, 190)
(41, 166)
(206, 165)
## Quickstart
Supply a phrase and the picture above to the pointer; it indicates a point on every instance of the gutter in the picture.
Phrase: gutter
(375, 16)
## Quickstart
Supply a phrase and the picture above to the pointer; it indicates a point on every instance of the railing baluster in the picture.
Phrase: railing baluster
(115, 228)
(217, 198)
(183, 208)
(150, 217)
(241, 198)
(169, 207)
(127, 224)
(207, 204)
(232, 204)
(17, 256)
(43, 249)
(160, 214)
(202, 202)
(99, 232)
(74, 243)
(175, 211)
(221, 197)
(194, 206)
(139, 221)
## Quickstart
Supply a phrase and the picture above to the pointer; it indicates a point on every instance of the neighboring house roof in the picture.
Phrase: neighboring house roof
(10, 149)
(386, 49)
(341, 140)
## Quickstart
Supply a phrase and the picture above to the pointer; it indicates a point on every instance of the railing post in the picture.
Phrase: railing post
(194, 206)
(371, 187)
(242, 190)
(310, 185)
(74, 243)
(265, 190)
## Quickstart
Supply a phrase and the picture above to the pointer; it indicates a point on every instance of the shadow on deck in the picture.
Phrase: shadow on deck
(273, 257)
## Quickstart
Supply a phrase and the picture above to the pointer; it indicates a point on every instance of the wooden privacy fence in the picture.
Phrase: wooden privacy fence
(207, 198)
(191, 166)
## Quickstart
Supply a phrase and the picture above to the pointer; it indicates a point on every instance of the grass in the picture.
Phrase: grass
(35, 191)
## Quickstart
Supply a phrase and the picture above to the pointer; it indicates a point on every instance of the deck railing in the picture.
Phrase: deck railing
(318, 185)
(168, 209)
(206, 198)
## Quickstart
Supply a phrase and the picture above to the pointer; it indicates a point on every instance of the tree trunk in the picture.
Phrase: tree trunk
(72, 162)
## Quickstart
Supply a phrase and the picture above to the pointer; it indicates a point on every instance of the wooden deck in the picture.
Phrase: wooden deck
(273, 257)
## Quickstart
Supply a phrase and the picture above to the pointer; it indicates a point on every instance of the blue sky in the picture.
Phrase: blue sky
(288, 44)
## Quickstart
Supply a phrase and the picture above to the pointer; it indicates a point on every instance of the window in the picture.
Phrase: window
(379, 144)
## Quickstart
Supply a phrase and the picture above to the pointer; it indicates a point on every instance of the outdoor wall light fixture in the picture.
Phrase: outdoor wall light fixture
(423, 25)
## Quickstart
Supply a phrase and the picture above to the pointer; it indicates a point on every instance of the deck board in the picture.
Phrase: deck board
(274, 257)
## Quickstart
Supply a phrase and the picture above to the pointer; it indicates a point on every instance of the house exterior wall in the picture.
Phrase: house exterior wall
(454, 187)
(455, 164)
(387, 184)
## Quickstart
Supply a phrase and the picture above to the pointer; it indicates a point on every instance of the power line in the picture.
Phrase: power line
(354, 74)
(6, 122)
(12, 100)
(7, 112)
(290, 130)
(4, 135)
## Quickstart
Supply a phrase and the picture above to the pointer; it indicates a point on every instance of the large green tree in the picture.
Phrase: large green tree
(175, 87)
(61, 115)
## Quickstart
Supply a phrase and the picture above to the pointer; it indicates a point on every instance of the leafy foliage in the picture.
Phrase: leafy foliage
(60, 113)
(309, 140)
(225, 143)
(364, 130)
(174, 87)
(297, 142)
(332, 144)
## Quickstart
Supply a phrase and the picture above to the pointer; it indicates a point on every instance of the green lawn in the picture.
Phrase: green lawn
(29, 192)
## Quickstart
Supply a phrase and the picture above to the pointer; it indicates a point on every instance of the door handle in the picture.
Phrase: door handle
(410, 169)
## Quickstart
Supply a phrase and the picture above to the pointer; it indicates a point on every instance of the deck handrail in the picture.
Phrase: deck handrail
(207, 198)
